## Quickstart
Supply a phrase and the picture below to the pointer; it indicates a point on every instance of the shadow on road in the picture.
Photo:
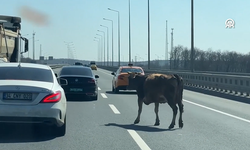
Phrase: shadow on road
(139, 127)
(22, 133)
(122, 92)
(78, 98)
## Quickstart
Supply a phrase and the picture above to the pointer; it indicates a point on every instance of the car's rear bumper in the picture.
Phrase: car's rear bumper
(80, 97)
(33, 120)
(40, 113)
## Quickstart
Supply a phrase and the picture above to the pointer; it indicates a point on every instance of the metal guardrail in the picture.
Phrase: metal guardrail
(210, 72)
(230, 84)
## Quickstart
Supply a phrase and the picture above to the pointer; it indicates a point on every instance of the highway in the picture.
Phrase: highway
(107, 124)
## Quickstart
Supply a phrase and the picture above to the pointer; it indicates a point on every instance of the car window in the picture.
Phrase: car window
(76, 71)
(26, 73)
(123, 70)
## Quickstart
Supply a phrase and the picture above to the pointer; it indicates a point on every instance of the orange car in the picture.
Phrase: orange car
(120, 79)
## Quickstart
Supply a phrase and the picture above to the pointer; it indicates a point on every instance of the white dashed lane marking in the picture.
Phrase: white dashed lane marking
(103, 95)
(138, 140)
(115, 110)
(99, 88)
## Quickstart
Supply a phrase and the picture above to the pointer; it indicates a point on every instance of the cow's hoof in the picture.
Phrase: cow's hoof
(181, 124)
(157, 124)
(171, 126)
(136, 121)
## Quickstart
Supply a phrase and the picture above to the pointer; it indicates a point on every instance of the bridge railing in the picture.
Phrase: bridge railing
(231, 84)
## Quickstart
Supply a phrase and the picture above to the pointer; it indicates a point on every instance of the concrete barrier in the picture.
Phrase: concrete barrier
(229, 84)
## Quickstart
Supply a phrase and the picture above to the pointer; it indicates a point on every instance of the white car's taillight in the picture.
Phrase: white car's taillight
(52, 98)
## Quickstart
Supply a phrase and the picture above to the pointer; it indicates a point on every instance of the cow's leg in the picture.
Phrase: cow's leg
(175, 109)
(140, 102)
(172, 104)
(157, 121)
(181, 109)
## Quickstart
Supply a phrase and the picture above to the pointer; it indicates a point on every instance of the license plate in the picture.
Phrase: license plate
(76, 89)
(17, 96)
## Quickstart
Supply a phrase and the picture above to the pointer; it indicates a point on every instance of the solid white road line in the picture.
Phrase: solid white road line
(99, 88)
(115, 110)
(138, 140)
(103, 95)
(221, 112)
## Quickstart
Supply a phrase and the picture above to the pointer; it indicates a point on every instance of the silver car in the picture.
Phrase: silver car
(30, 93)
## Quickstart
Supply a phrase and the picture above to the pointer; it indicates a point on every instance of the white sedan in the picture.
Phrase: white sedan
(30, 93)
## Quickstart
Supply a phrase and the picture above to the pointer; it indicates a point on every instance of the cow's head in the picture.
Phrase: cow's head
(133, 80)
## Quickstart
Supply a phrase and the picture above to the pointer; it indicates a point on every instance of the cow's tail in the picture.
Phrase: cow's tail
(180, 90)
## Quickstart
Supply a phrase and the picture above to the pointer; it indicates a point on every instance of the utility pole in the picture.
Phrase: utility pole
(192, 36)
(129, 32)
(33, 45)
(166, 52)
(172, 46)
(40, 50)
(148, 37)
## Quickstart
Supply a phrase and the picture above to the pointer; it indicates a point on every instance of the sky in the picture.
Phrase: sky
(77, 21)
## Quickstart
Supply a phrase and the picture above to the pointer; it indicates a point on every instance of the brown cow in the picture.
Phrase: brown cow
(158, 88)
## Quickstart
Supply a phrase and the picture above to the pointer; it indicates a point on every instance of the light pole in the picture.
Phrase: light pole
(148, 37)
(104, 45)
(129, 31)
(101, 49)
(107, 43)
(112, 40)
(119, 50)
(33, 45)
(172, 47)
(166, 51)
(98, 52)
(98, 49)
(192, 35)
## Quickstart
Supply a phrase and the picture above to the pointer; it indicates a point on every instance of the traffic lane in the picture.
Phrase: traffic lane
(85, 130)
(200, 126)
(226, 105)
(105, 80)
(235, 108)
(57, 70)
(203, 129)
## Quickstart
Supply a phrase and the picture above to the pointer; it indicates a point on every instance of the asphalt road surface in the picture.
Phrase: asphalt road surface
(210, 123)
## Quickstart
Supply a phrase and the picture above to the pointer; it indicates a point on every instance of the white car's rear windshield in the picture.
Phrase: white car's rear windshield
(76, 71)
(25, 73)
(125, 70)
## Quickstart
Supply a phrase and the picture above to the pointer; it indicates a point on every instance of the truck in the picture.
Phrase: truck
(10, 39)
